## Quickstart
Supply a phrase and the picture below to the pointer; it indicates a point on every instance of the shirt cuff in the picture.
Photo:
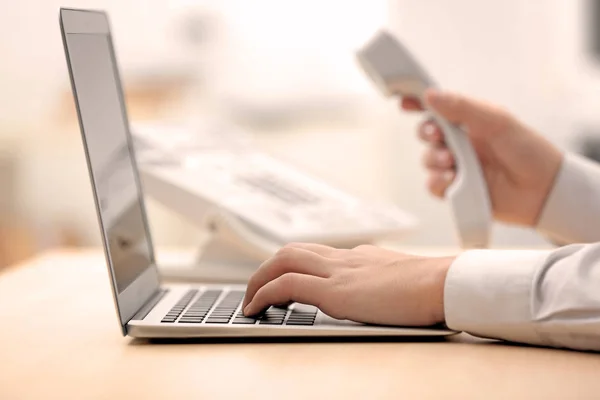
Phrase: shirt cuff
(573, 202)
(488, 294)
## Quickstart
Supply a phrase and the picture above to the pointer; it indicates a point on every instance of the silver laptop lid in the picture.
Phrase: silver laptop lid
(111, 160)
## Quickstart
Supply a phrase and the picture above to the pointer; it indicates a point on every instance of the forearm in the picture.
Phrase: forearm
(573, 204)
(548, 298)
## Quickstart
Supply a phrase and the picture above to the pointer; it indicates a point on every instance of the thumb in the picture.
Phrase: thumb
(461, 110)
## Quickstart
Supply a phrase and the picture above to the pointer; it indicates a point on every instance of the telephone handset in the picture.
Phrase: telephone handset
(396, 72)
(250, 203)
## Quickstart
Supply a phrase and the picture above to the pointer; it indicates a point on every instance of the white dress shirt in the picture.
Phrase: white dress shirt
(549, 298)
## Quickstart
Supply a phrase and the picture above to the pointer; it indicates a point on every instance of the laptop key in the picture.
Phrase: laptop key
(247, 321)
(300, 323)
(271, 321)
(217, 321)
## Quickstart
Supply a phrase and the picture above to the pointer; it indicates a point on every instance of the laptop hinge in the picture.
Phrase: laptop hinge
(149, 305)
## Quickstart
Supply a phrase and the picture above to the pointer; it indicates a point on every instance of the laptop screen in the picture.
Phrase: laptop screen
(105, 131)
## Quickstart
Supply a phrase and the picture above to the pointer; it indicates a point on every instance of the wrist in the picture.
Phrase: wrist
(441, 268)
(552, 169)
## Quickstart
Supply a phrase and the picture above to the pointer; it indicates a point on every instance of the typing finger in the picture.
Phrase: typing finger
(288, 260)
(430, 132)
(291, 287)
(439, 182)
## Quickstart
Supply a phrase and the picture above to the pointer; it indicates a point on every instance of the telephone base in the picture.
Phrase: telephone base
(231, 252)
(184, 266)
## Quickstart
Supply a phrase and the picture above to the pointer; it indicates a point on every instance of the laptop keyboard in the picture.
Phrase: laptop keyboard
(212, 307)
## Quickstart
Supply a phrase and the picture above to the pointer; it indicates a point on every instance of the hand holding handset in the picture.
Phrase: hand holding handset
(395, 72)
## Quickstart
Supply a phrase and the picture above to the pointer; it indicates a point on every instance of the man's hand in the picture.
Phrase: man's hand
(519, 165)
(365, 284)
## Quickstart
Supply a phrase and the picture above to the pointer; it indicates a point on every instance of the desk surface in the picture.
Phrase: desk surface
(59, 338)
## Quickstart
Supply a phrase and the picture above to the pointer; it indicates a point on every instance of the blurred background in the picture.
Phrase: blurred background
(284, 71)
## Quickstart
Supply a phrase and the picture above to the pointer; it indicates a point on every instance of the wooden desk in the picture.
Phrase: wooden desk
(59, 338)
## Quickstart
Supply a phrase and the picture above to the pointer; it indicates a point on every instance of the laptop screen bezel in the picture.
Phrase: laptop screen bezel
(129, 301)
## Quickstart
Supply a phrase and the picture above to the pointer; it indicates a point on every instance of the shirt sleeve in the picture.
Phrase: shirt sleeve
(548, 298)
(573, 203)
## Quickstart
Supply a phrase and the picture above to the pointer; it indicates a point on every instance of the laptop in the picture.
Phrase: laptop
(145, 306)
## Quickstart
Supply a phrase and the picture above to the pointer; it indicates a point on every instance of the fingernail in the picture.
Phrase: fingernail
(428, 129)
(246, 309)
